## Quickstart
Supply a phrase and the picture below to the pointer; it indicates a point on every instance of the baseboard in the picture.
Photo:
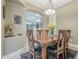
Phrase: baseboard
(73, 47)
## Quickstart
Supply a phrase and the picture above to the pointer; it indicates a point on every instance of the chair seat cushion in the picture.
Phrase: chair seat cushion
(50, 51)
(38, 50)
(52, 46)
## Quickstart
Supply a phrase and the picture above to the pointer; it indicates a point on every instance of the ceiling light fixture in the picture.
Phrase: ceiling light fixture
(50, 8)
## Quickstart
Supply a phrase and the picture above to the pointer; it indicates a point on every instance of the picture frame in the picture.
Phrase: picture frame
(17, 19)
(41, 24)
(3, 12)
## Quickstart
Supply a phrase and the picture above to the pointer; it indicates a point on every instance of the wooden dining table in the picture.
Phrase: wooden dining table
(44, 42)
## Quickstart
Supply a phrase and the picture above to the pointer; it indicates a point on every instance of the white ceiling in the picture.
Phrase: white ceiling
(42, 3)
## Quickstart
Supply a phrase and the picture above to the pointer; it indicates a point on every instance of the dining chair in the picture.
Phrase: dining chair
(67, 36)
(58, 48)
(31, 43)
(34, 50)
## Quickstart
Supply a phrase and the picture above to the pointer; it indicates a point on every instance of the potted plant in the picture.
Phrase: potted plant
(51, 26)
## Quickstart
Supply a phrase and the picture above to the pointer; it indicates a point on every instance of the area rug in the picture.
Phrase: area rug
(70, 55)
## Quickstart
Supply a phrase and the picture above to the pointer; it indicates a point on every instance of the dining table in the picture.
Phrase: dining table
(45, 41)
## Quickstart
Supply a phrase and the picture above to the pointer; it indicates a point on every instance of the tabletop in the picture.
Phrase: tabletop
(47, 40)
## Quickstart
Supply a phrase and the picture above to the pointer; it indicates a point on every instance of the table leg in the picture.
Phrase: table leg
(44, 53)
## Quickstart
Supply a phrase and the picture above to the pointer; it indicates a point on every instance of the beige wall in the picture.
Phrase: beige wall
(2, 27)
(14, 9)
(67, 18)
(10, 44)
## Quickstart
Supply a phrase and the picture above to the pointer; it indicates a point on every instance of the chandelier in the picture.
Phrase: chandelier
(49, 8)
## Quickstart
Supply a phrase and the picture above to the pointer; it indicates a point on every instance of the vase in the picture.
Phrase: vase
(52, 32)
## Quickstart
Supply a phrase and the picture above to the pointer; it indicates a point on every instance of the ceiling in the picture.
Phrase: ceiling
(42, 3)
(15, 1)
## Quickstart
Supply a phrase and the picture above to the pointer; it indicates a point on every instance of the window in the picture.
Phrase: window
(33, 20)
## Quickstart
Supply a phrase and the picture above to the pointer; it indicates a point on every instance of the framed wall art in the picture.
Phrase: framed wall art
(3, 12)
(17, 19)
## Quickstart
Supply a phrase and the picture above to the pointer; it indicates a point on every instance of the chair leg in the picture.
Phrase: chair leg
(63, 55)
(57, 56)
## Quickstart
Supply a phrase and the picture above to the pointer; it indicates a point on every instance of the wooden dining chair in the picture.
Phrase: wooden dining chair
(67, 36)
(59, 47)
(31, 43)
(34, 50)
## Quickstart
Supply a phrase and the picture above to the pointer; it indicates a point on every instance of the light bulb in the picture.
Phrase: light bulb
(50, 11)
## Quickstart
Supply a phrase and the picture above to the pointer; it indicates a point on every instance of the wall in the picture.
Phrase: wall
(2, 27)
(11, 45)
(52, 18)
(14, 9)
(67, 18)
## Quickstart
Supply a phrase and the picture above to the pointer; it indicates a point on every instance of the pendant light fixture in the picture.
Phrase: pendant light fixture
(49, 10)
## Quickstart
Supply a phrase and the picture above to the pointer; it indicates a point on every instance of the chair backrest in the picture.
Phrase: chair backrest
(46, 33)
(60, 43)
(41, 34)
(67, 36)
(31, 42)
(38, 34)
